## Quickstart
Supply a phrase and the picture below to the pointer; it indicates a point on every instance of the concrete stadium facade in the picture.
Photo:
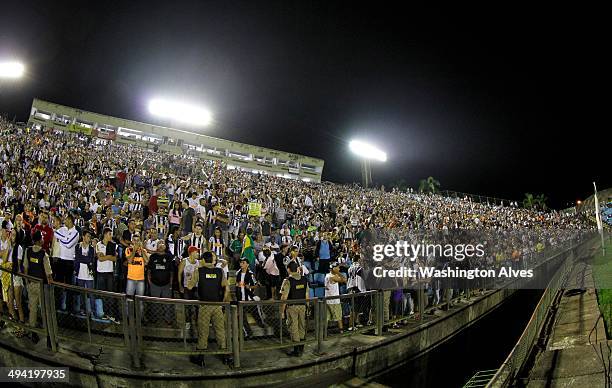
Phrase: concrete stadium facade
(177, 141)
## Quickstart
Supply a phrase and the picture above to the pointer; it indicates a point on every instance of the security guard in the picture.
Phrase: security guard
(295, 287)
(36, 263)
(212, 287)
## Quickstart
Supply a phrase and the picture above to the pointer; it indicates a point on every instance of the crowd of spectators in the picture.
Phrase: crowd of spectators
(91, 205)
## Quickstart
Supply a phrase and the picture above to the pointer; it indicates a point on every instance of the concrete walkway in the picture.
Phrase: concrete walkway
(577, 343)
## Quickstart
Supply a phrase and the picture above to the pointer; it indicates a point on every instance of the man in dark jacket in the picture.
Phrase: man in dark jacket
(245, 287)
(84, 255)
(279, 258)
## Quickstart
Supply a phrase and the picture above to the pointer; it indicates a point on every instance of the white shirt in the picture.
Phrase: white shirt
(68, 239)
(355, 278)
(222, 263)
(94, 207)
(103, 266)
(84, 273)
(201, 211)
(5, 245)
(308, 201)
(262, 257)
(188, 270)
(151, 245)
(19, 254)
(194, 203)
(331, 289)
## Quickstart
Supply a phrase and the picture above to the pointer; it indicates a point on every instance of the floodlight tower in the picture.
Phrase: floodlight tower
(367, 153)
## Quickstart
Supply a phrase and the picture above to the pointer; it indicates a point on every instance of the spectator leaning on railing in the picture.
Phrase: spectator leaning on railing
(36, 264)
(332, 288)
(84, 269)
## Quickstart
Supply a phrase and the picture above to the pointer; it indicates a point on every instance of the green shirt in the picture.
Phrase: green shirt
(236, 246)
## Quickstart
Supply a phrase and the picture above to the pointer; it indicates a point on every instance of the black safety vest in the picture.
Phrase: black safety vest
(36, 266)
(297, 288)
(210, 287)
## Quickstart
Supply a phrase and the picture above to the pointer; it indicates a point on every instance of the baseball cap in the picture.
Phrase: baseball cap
(333, 265)
(192, 249)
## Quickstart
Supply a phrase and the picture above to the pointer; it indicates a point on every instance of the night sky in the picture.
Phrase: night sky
(489, 101)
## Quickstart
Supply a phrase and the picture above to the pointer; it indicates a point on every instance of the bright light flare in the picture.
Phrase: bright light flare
(367, 151)
(11, 70)
(186, 113)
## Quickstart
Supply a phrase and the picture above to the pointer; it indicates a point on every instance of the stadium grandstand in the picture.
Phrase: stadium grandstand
(234, 155)
(587, 207)
(111, 231)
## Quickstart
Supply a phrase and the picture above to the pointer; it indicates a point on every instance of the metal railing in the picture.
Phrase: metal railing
(140, 325)
(508, 373)
(480, 379)
(358, 309)
(101, 314)
(263, 326)
(173, 326)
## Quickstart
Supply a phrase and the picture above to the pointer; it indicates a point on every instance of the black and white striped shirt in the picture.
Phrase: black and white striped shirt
(111, 224)
(176, 247)
(198, 242)
(136, 197)
(217, 246)
(161, 223)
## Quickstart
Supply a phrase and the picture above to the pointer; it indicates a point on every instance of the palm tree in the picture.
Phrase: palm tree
(529, 201)
(429, 185)
(540, 201)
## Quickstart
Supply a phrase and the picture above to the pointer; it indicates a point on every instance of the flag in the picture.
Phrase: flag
(248, 249)
(597, 212)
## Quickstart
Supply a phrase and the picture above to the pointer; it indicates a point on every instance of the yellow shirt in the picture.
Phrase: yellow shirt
(136, 269)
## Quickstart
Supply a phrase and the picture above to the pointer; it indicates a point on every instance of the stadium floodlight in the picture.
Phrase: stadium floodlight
(367, 151)
(11, 70)
(186, 113)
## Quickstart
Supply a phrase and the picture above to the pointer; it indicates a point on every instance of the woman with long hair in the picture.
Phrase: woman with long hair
(174, 215)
